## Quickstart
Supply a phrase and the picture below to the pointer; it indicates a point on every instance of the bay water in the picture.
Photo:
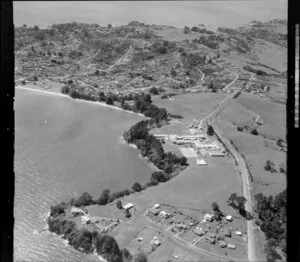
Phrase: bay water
(64, 147)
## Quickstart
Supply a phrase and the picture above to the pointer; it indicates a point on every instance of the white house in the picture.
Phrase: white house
(208, 217)
(156, 205)
(231, 246)
(85, 219)
(229, 218)
(164, 214)
(128, 206)
(77, 211)
(201, 162)
(238, 233)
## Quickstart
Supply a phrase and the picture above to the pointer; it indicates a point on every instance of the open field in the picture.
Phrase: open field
(197, 187)
(254, 147)
(271, 54)
(274, 115)
(191, 105)
(178, 127)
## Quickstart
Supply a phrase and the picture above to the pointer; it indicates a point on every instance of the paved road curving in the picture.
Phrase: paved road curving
(211, 118)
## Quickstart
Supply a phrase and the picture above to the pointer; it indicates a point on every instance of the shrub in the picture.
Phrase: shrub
(58, 209)
(107, 247)
(270, 166)
(186, 30)
(104, 198)
(210, 130)
(165, 43)
(194, 29)
(153, 90)
(254, 132)
(136, 187)
(119, 204)
(65, 89)
(141, 257)
(109, 101)
(126, 254)
(39, 35)
(162, 50)
(84, 200)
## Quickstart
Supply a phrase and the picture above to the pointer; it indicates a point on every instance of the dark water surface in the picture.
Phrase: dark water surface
(62, 149)
(174, 13)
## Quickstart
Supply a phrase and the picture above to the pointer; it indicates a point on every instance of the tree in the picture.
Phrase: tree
(104, 198)
(102, 97)
(119, 204)
(126, 254)
(36, 28)
(237, 202)
(153, 90)
(109, 26)
(218, 213)
(254, 132)
(57, 210)
(270, 166)
(214, 89)
(183, 161)
(280, 142)
(210, 130)
(215, 206)
(241, 205)
(107, 247)
(194, 29)
(141, 257)
(186, 30)
(159, 176)
(127, 213)
(282, 168)
(239, 128)
(84, 200)
(162, 50)
(109, 101)
(136, 187)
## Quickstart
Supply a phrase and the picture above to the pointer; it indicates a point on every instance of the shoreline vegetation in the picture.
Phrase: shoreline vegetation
(52, 92)
(93, 64)
(150, 148)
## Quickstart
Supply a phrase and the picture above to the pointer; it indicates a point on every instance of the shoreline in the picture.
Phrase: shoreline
(79, 100)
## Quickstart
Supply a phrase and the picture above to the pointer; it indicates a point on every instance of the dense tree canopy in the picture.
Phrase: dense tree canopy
(58, 209)
(141, 257)
(237, 202)
(272, 220)
(84, 200)
(108, 247)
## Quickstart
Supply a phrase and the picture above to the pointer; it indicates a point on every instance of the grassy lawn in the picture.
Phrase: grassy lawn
(274, 115)
(253, 147)
(191, 105)
(197, 187)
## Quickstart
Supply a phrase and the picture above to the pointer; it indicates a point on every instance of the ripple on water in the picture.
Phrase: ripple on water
(50, 168)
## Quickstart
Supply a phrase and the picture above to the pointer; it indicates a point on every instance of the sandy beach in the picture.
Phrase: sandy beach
(55, 93)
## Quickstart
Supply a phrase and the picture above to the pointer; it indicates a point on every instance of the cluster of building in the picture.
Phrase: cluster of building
(218, 235)
(198, 143)
(171, 216)
(86, 219)
(180, 223)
